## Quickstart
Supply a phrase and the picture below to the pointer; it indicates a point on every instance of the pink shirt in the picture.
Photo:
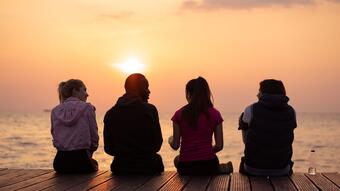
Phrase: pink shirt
(196, 143)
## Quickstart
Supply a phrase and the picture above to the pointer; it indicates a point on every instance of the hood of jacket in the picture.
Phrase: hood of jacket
(128, 99)
(70, 111)
(274, 101)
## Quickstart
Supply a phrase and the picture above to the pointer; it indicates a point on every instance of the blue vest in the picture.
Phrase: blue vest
(271, 133)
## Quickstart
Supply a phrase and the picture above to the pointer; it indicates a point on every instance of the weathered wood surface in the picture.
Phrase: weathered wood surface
(38, 179)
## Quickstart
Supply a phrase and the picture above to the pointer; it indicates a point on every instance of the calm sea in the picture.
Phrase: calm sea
(25, 141)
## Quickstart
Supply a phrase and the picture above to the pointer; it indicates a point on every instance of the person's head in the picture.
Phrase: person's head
(198, 92)
(136, 84)
(198, 95)
(72, 88)
(272, 87)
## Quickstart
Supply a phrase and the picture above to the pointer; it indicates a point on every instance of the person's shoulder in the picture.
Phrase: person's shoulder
(179, 111)
(249, 107)
(292, 110)
(56, 109)
(90, 106)
(111, 110)
(150, 107)
(214, 111)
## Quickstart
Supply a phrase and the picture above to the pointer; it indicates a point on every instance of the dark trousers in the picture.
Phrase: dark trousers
(199, 167)
(137, 165)
(243, 171)
(77, 161)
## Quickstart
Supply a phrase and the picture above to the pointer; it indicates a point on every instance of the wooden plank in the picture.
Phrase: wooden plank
(122, 183)
(334, 177)
(73, 180)
(302, 183)
(109, 184)
(239, 182)
(197, 183)
(27, 174)
(92, 182)
(59, 180)
(282, 184)
(29, 182)
(12, 174)
(131, 183)
(157, 181)
(260, 183)
(2, 169)
(322, 183)
(219, 182)
(9, 171)
(176, 183)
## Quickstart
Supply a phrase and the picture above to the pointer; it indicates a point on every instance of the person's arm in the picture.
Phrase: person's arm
(108, 137)
(93, 129)
(52, 126)
(175, 139)
(244, 122)
(157, 132)
(218, 135)
(245, 119)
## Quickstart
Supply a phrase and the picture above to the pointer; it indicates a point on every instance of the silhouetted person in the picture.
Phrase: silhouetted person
(132, 132)
(74, 130)
(193, 128)
(268, 132)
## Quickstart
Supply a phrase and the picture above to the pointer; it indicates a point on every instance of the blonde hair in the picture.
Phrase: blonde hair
(60, 93)
(65, 89)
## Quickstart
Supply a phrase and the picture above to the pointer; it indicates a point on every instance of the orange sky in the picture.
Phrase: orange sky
(233, 45)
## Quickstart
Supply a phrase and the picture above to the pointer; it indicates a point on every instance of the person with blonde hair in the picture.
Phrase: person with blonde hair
(74, 130)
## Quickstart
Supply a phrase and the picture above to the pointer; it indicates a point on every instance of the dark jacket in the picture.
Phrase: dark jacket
(133, 135)
(271, 133)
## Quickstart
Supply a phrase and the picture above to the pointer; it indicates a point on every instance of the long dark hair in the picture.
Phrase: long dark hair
(199, 95)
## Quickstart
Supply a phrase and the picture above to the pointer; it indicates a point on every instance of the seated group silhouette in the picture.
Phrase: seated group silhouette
(132, 132)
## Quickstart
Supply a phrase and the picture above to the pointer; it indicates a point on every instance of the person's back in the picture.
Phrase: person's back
(196, 143)
(268, 129)
(133, 136)
(193, 128)
(74, 130)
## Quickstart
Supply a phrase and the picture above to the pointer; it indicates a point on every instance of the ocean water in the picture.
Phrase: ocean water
(25, 141)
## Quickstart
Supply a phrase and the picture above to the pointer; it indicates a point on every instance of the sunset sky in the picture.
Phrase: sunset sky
(234, 44)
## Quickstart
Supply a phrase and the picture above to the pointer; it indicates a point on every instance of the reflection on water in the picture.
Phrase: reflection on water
(25, 141)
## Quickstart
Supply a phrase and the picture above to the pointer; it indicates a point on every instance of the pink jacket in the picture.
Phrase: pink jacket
(74, 126)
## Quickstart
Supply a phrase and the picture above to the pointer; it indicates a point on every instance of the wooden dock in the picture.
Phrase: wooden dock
(38, 179)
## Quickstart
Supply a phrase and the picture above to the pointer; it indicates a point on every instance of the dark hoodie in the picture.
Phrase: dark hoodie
(133, 135)
(270, 134)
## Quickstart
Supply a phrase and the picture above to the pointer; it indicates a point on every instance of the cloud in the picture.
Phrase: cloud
(242, 4)
(116, 16)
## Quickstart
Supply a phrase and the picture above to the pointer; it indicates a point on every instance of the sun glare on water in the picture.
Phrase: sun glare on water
(131, 65)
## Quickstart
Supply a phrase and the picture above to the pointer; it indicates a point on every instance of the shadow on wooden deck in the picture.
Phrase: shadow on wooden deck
(38, 179)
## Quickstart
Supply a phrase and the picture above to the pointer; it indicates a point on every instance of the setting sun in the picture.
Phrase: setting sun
(131, 65)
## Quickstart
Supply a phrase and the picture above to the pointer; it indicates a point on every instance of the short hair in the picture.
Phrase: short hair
(272, 86)
(134, 82)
